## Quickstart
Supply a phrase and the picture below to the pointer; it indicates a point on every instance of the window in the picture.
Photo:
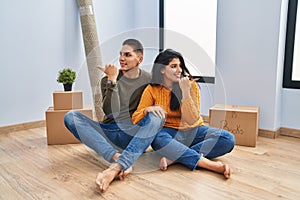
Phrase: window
(190, 28)
(291, 74)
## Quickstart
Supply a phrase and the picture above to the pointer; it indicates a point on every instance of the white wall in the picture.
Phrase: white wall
(290, 108)
(250, 53)
(37, 39)
(146, 22)
(31, 52)
(247, 57)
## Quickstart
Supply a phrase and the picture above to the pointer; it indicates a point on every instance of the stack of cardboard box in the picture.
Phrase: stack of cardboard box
(63, 102)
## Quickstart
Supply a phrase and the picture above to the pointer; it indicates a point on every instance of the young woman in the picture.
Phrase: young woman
(184, 138)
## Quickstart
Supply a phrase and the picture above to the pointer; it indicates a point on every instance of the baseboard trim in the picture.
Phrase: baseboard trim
(269, 133)
(290, 132)
(280, 131)
(22, 126)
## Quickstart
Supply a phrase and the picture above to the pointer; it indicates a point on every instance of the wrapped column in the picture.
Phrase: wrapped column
(92, 52)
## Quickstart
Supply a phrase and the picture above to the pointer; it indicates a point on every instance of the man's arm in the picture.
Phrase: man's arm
(111, 99)
(109, 89)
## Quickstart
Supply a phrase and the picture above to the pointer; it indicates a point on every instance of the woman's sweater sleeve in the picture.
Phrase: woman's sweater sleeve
(190, 107)
(146, 101)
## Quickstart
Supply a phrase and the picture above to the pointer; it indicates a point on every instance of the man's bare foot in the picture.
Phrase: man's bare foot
(215, 166)
(164, 163)
(107, 176)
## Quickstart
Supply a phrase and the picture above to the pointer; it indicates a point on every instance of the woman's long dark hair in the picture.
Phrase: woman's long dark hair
(161, 61)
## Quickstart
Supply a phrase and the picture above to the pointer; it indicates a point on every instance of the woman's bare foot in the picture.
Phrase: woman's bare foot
(107, 176)
(227, 171)
(124, 173)
(164, 163)
(223, 169)
(215, 166)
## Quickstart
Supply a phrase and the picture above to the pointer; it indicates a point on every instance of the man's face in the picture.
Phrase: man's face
(129, 58)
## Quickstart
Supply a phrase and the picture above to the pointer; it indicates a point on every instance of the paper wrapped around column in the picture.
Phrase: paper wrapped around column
(92, 52)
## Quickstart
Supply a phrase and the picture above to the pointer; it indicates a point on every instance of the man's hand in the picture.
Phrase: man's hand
(111, 70)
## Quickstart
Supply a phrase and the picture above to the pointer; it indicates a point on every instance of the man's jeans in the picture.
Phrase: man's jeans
(108, 139)
(187, 147)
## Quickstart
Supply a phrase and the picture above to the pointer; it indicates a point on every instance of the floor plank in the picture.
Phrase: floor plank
(30, 169)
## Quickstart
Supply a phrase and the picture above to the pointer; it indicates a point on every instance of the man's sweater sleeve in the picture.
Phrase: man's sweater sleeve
(111, 99)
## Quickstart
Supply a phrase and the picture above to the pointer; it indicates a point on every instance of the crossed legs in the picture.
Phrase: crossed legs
(205, 163)
(149, 126)
(194, 148)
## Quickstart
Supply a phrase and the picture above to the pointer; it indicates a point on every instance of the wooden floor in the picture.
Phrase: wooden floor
(30, 169)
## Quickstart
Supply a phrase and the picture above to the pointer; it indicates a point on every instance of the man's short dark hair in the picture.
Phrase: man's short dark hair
(135, 44)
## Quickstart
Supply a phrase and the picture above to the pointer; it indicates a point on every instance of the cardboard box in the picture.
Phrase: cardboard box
(57, 133)
(242, 121)
(67, 100)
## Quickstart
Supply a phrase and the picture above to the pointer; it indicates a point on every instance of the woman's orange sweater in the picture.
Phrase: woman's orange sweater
(188, 116)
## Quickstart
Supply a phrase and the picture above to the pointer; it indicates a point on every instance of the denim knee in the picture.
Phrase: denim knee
(69, 122)
(69, 118)
(161, 139)
(230, 140)
(156, 121)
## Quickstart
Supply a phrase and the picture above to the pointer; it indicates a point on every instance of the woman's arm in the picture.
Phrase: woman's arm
(190, 104)
(146, 105)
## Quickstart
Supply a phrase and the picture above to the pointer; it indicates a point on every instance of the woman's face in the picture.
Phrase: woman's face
(172, 72)
(129, 58)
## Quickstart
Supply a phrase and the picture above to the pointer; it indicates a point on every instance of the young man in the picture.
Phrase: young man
(121, 90)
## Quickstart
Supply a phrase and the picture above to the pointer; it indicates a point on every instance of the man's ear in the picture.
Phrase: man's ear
(141, 58)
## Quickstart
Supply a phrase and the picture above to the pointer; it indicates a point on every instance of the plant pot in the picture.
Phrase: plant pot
(68, 87)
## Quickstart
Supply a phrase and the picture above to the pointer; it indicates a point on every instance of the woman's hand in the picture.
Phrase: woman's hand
(156, 110)
(185, 85)
(111, 70)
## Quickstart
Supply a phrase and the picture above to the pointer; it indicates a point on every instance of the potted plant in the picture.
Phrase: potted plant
(67, 77)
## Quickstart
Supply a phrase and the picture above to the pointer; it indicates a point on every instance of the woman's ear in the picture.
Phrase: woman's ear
(162, 70)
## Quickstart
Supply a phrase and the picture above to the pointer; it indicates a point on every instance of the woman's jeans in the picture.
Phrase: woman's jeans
(108, 139)
(187, 147)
